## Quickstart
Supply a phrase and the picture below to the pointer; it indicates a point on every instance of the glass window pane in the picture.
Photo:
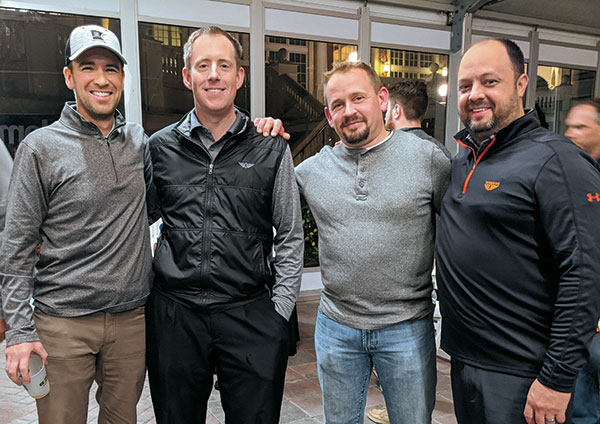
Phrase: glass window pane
(392, 65)
(294, 93)
(294, 89)
(164, 97)
(557, 89)
(32, 86)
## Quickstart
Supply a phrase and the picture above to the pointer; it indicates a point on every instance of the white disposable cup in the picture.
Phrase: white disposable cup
(39, 386)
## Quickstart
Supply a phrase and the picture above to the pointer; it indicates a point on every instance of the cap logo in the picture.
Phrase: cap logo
(97, 35)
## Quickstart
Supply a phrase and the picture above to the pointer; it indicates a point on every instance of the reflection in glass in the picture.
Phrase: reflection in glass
(557, 89)
(392, 65)
(294, 89)
(32, 86)
(164, 97)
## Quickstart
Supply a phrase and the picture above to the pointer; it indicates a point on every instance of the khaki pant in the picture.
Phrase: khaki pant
(107, 348)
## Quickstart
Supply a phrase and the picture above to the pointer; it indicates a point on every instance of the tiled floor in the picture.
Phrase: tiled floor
(302, 397)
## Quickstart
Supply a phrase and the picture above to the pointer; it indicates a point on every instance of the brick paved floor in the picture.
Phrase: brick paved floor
(302, 396)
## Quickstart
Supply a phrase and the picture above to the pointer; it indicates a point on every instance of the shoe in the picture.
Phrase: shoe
(379, 416)
(377, 378)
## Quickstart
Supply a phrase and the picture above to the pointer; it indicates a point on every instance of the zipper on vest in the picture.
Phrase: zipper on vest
(207, 230)
(206, 227)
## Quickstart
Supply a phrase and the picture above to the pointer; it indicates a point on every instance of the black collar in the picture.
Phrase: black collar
(525, 123)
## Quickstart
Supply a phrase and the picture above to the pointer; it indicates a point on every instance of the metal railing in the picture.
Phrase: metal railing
(322, 135)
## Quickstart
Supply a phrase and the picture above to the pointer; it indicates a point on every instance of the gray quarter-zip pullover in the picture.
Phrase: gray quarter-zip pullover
(80, 196)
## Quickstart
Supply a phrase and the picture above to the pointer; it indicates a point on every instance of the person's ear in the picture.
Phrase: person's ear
(187, 78)
(68, 78)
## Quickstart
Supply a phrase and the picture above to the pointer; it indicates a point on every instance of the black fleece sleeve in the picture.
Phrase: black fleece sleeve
(569, 209)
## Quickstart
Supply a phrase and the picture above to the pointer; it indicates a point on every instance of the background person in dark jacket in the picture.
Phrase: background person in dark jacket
(583, 128)
(221, 189)
(407, 107)
(517, 251)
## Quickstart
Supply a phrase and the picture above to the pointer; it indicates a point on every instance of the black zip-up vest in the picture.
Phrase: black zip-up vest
(217, 230)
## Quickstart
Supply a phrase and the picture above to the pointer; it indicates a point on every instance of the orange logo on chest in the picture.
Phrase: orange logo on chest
(491, 185)
(593, 197)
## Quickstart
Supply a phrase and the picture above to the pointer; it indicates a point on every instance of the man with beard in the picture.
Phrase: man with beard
(77, 241)
(374, 197)
(517, 251)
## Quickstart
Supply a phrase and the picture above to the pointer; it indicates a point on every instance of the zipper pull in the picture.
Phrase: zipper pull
(210, 168)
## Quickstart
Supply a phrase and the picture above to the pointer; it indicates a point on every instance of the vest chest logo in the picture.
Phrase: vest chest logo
(491, 185)
(595, 197)
(246, 164)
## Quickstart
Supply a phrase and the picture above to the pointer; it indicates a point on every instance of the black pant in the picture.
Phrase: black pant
(489, 397)
(248, 346)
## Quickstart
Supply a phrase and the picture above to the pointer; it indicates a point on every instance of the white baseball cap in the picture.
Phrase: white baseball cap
(87, 37)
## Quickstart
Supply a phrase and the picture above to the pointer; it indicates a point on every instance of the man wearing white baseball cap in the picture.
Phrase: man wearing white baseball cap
(86, 37)
(77, 242)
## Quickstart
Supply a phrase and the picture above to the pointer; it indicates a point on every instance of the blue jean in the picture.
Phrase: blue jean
(586, 399)
(403, 355)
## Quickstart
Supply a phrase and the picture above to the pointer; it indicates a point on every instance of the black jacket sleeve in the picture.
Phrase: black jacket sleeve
(569, 210)
(152, 201)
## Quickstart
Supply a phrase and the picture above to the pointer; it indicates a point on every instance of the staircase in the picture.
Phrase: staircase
(301, 113)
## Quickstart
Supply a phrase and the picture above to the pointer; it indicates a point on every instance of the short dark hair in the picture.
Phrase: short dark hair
(188, 47)
(347, 66)
(411, 94)
(515, 55)
(595, 103)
